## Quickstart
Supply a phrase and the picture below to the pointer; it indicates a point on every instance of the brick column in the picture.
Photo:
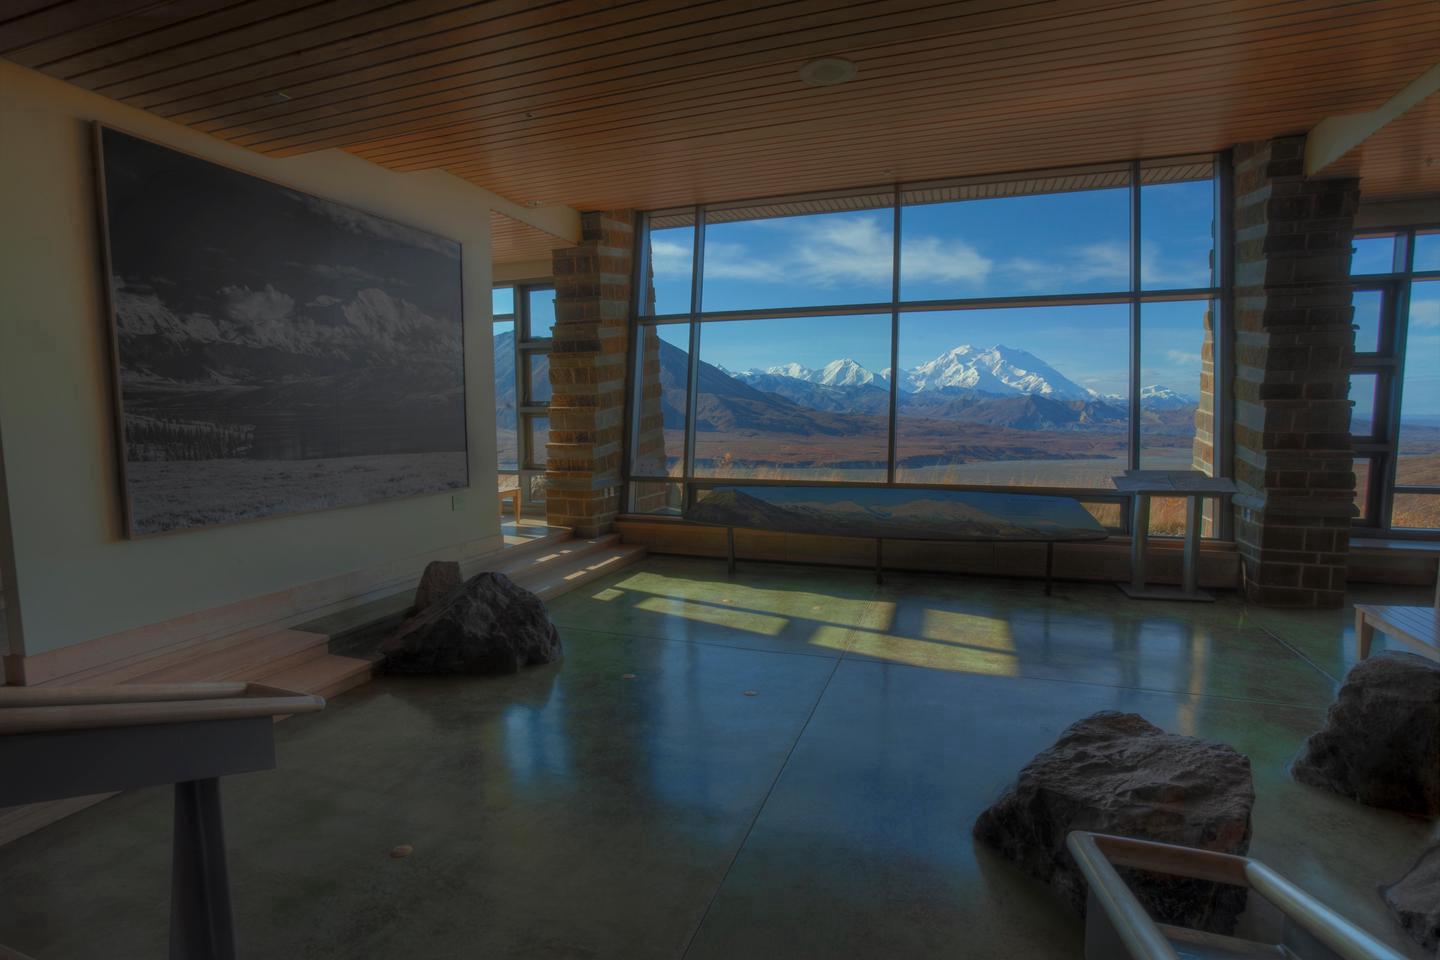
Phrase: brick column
(587, 374)
(1293, 342)
(1202, 449)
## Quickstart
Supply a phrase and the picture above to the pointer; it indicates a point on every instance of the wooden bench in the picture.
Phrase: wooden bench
(1418, 627)
(897, 513)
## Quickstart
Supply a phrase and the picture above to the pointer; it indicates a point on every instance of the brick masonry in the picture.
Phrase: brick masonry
(1293, 343)
(587, 374)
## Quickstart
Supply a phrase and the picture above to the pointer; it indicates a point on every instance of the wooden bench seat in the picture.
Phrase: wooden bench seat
(1416, 626)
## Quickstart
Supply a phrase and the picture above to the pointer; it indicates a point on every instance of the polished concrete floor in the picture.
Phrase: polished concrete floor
(782, 764)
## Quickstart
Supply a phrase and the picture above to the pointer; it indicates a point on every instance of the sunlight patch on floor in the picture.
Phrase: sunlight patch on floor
(972, 630)
(745, 620)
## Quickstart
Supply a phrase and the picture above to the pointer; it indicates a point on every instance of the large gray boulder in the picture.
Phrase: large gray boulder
(1117, 773)
(1415, 900)
(488, 625)
(439, 578)
(1381, 741)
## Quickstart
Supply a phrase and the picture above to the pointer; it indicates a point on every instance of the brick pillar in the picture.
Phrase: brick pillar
(1293, 342)
(587, 374)
(1202, 452)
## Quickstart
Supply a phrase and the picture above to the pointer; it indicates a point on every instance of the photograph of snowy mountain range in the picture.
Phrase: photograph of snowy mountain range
(276, 352)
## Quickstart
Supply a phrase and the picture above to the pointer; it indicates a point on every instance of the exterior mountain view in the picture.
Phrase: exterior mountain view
(975, 414)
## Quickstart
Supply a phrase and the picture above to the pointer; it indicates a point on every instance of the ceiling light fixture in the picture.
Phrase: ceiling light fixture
(279, 96)
(828, 72)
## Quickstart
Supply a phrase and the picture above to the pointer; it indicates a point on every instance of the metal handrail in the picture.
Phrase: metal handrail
(1098, 854)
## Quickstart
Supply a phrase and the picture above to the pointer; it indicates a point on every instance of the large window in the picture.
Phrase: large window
(524, 317)
(1048, 330)
(1395, 380)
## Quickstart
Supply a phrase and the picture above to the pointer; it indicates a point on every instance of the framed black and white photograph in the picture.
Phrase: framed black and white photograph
(275, 352)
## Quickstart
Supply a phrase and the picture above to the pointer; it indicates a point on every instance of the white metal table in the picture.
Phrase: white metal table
(1194, 486)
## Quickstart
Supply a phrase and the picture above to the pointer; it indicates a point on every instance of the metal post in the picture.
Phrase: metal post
(1139, 530)
(1190, 565)
(201, 924)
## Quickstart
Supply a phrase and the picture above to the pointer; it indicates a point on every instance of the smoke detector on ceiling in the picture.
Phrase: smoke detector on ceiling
(828, 72)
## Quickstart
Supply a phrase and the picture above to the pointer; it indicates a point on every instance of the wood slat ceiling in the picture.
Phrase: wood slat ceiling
(1402, 160)
(513, 241)
(657, 103)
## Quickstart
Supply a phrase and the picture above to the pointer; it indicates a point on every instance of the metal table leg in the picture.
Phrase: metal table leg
(201, 924)
(1139, 534)
(1190, 564)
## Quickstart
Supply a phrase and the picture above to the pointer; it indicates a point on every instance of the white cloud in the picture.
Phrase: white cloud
(827, 251)
(1425, 312)
(670, 259)
(1160, 272)
(1183, 358)
(734, 261)
(1109, 262)
(929, 258)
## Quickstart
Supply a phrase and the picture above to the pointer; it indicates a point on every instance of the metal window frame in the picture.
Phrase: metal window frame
(526, 408)
(1382, 447)
(1219, 294)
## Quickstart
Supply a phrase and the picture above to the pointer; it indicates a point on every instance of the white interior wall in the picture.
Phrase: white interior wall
(75, 576)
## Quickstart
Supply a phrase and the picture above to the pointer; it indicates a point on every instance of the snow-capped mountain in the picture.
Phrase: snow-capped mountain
(1157, 397)
(788, 370)
(999, 369)
(843, 373)
(996, 369)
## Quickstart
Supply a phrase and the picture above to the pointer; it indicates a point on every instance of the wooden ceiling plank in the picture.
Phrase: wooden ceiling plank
(468, 71)
(46, 53)
(396, 77)
(1303, 92)
(701, 39)
(471, 82)
(892, 143)
(194, 36)
(637, 72)
(20, 9)
(921, 57)
(921, 144)
(649, 116)
(407, 65)
(418, 119)
(68, 17)
(328, 47)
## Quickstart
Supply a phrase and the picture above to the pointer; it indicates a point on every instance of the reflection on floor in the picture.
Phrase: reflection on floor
(791, 772)
(527, 529)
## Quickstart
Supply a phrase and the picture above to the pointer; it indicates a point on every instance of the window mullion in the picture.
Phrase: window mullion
(1135, 284)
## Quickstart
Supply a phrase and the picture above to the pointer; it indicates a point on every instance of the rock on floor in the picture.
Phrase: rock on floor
(489, 625)
(1415, 900)
(439, 578)
(1117, 773)
(1381, 741)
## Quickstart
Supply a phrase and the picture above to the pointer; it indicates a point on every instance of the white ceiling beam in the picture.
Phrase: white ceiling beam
(1336, 136)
